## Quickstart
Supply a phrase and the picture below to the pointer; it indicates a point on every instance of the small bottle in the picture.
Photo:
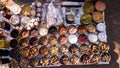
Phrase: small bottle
(13, 43)
(2, 24)
(7, 26)
(4, 52)
(4, 8)
(1, 6)
(14, 33)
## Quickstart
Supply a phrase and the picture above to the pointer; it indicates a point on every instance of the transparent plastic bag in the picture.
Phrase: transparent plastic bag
(53, 15)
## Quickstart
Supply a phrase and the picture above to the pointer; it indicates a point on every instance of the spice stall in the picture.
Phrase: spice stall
(53, 34)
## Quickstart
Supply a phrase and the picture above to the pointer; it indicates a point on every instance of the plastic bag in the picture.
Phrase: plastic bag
(53, 15)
